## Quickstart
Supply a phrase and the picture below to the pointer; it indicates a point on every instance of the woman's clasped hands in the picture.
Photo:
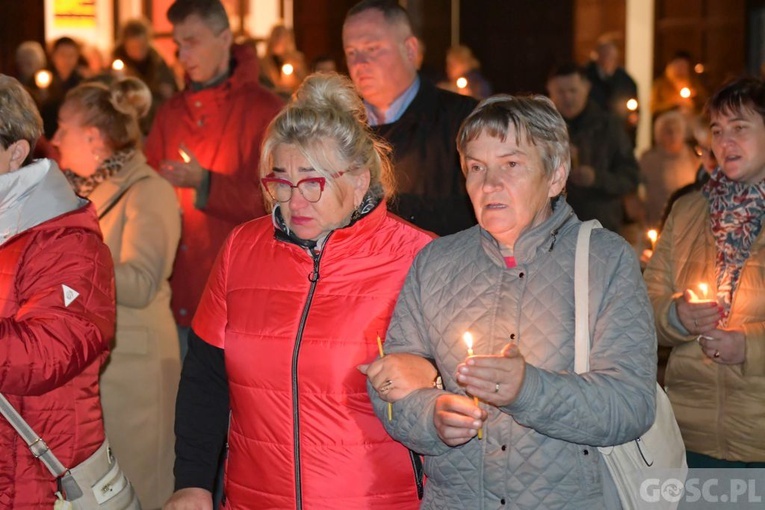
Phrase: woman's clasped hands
(495, 380)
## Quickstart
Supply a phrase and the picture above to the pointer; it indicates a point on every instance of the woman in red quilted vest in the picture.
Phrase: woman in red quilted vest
(295, 302)
(57, 309)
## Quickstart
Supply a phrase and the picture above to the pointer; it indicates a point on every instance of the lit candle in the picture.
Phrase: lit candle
(43, 79)
(287, 69)
(186, 158)
(118, 66)
(468, 338)
(703, 295)
(652, 236)
(685, 92)
(462, 83)
(632, 104)
(382, 354)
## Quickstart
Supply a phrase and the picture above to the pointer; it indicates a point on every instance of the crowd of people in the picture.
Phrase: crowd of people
(270, 285)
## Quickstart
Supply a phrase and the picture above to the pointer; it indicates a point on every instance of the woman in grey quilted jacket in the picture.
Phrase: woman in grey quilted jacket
(514, 426)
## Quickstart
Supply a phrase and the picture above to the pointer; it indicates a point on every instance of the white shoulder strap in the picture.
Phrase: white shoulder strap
(581, 297)
(35, 443)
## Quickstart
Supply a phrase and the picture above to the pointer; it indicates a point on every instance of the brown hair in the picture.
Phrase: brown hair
(212, 13)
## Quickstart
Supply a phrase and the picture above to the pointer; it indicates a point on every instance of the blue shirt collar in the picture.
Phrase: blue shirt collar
(397, 107)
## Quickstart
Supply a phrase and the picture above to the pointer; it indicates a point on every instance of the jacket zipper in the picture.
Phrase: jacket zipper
(313, 278)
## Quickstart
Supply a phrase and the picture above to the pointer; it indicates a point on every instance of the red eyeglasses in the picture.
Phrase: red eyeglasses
(280, 190)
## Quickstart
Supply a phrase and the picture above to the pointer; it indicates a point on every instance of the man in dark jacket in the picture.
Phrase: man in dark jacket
(417, 119)
(603, 167)
(610, 85)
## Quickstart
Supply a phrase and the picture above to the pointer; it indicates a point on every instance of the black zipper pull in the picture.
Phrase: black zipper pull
(314, 276)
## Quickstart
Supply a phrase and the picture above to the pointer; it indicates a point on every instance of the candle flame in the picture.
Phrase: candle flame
(118, 65)
(186, 158)
(43, 79)
(704, 288)
(632, 104)
(287, 69)
(652, 235)
(685, 92)
(468, 338)
(462, 82)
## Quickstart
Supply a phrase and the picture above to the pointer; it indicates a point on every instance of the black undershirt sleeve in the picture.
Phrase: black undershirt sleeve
(201, 415)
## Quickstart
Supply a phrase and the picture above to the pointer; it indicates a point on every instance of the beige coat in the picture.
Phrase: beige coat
(140, 381)
(720, 408)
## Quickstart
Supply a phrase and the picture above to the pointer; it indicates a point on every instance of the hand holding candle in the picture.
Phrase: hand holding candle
(698, 313)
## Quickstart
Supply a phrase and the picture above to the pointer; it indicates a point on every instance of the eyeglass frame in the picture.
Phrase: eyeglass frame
(322, 181)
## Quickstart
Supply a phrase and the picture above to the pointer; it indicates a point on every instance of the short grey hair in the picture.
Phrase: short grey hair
(393, 13)
(327, 108)
(33, 50)
(535, 120)
(19, 117)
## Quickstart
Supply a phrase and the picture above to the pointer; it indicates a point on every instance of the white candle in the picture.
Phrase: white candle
(186, 158)
(468, 338)
(652, 235)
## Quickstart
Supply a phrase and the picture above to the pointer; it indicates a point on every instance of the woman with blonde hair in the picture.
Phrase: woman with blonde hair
(99, 139)
(294, 304)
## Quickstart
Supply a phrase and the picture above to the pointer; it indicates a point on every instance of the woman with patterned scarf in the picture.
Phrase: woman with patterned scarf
(99, 139)
(294, 304)
(707, 283)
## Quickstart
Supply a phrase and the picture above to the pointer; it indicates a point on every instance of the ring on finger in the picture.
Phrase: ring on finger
(496, 388)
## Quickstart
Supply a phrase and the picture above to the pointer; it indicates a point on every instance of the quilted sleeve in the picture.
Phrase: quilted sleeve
(65, 284)
(615, 402)
(658, 278)
(412, 423)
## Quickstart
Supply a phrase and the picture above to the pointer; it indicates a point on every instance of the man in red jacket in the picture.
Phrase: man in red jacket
(206, 142)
